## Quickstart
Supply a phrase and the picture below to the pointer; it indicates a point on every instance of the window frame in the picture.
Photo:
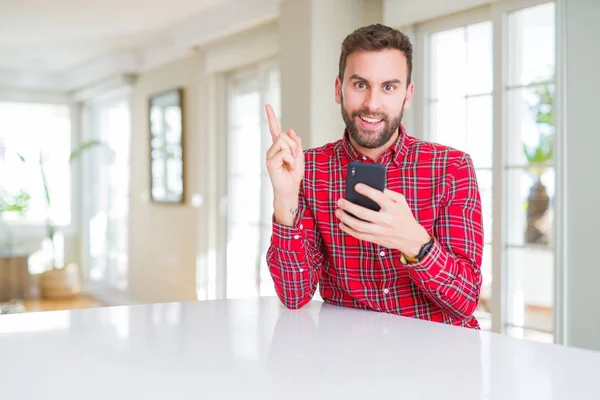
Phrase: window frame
(497, 13)
(86, 114)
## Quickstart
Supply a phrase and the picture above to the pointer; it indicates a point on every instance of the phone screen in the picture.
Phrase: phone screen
(370, 174)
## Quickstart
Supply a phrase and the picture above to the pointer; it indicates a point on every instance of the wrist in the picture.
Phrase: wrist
(414, 247)
(285, 211)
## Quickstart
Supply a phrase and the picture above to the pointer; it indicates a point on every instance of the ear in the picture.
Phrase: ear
(338, 90)
(409, 95)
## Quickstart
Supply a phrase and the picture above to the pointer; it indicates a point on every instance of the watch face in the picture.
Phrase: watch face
(425, 249)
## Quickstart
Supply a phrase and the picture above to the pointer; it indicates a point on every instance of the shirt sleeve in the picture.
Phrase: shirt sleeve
(450, 273)
(295, 258)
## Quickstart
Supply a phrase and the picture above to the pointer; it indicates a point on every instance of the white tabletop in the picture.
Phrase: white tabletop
(256, 349)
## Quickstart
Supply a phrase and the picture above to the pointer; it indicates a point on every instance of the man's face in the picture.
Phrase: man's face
(374, 96)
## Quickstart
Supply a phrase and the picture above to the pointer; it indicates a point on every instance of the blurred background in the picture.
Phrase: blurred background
(133, 134)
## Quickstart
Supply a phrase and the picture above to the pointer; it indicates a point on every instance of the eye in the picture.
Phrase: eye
(389, 88)
(360, 85)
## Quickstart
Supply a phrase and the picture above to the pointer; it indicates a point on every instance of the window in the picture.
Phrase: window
(36, 132)
(469, 69)
(249, 191)
(108, 175)
(460, 106)
(529, 170)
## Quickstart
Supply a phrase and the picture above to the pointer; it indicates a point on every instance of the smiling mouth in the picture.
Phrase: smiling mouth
(370, 120)
(370, 124)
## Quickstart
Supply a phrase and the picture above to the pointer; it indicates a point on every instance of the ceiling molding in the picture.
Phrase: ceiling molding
(105, 88)
(90, 73)
(34, 96)
(31, 80)
(160, 48)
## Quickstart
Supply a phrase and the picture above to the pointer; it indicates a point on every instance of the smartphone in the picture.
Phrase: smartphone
(370, 174)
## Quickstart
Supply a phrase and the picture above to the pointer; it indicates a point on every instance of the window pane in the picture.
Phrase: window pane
(449, 122)
(250, 195)
(244, 103)
(479, 131)
(484, 180)
(267, 287)
(448, 64)
(244, 199)
(486, 286)
(109, 201)
(36, 131)
(529, 197)
(266, 203)
(479, 58)
(530, 283)
(242, 259)
(530, 125)
(244, 154)
(531, 45)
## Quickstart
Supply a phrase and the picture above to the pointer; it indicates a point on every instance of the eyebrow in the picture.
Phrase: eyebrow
(389, 82)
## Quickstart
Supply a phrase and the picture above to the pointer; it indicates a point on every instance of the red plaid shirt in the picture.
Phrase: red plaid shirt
(440, 187)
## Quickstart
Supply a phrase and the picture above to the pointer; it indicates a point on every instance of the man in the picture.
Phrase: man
(420, 255)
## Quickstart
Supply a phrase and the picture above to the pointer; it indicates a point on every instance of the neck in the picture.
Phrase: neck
(376, 153)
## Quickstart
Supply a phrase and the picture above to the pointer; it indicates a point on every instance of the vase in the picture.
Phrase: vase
(538, 203)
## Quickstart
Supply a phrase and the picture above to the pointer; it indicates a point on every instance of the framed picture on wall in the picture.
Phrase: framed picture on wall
(166, 146)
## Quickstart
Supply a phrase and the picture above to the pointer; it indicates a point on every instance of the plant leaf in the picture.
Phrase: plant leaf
(76, 153)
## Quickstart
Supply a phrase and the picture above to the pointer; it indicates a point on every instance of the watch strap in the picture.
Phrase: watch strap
(422, 252)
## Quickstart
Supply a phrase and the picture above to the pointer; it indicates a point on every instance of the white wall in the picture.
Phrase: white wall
(173, 247)
(163, 237)
(311, 35)
(580, 19)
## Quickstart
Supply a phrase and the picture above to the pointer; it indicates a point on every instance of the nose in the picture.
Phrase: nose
(373, 100)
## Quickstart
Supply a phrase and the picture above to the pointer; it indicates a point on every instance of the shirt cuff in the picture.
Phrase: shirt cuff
(289, 238)
(431, 264)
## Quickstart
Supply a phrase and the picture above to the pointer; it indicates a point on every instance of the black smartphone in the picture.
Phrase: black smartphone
(370, 174)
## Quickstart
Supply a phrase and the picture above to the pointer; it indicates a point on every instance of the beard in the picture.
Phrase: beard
(371, 139)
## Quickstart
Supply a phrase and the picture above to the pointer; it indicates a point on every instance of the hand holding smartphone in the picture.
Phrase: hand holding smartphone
(370, 174)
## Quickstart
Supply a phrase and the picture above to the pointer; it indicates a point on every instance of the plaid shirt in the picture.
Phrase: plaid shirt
(440, 187)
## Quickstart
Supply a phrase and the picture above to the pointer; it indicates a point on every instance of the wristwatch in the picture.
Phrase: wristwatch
(404, 259)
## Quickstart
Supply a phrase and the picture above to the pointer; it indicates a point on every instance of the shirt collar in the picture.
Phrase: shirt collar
(393, 154)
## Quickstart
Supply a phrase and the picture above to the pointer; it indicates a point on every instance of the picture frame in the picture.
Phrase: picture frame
(166, 131)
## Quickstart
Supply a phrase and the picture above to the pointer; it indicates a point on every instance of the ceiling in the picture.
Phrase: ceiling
(60, 36)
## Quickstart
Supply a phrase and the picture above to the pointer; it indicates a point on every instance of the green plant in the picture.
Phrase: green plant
(15, 203)
(12, 203)
(74, 155)
(543, 150)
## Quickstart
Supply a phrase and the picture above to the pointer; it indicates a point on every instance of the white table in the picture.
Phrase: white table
(256, 349)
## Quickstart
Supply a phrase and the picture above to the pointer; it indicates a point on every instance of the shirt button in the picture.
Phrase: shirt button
(302, 270)
(296, 236)
(382, 254)
(386, 291)
(364, 158)
(301, 227)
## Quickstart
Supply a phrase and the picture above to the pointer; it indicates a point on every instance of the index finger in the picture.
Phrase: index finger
(273, 123)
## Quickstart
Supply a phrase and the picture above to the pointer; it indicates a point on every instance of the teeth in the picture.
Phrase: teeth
(373, 121)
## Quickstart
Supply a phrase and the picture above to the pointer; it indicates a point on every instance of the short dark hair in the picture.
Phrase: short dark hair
(376, 37)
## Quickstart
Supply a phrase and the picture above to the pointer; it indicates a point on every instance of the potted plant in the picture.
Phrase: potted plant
(58, 281)
(12, 203)
(538, 156)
